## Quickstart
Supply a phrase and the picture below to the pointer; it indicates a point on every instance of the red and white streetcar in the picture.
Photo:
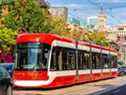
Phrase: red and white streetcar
(48, 61)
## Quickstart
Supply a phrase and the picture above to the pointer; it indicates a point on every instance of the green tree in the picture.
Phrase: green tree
(7, 38)
(29, 15)
(58, 25)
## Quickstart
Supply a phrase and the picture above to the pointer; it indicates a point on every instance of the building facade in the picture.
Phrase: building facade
(117, 34)
(59, 11)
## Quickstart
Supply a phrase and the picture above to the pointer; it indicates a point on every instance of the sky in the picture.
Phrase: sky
(81, 9)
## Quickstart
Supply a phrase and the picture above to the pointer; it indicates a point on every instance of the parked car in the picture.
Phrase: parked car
(8, 67)
(5, 82)
(122, 70)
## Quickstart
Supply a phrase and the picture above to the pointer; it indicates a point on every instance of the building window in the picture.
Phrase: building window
(125, 37)
(118, 38)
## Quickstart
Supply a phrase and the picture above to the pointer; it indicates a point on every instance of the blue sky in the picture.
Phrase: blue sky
(115, 9)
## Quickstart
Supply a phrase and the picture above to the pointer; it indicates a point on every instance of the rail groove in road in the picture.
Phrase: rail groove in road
(95, 88)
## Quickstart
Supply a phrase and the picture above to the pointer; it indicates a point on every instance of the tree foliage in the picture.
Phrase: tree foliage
(98, 38)
(58, 25)
(29, 15)
(7, 38)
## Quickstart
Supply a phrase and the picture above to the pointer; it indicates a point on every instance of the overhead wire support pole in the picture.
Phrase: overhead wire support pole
(90, 59)
(77, 72)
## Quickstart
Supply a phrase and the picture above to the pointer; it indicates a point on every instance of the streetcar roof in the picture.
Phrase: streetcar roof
(49, 38)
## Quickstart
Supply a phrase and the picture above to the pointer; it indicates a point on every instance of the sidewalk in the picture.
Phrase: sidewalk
(95, 88)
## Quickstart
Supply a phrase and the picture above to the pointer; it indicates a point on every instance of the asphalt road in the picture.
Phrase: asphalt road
(119, 91)
(103, 87)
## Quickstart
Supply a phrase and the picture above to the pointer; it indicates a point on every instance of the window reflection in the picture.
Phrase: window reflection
(32, 56)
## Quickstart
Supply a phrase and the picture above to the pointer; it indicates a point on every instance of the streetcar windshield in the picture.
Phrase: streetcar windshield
(32, 56)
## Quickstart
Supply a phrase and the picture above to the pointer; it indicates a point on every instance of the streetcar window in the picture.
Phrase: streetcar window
(83, 60)
(114, 62)
(32, 56)
(43, 56)
(109, 60)
(97, 60)
(55, 59)
(96, 64)
(68, 59)
(86, 60)
(104, 61)
(93, 61)
(63, 59)
(71, 59)
(80, 59)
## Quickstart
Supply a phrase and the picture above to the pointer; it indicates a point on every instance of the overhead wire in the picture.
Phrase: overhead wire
(100, 6)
